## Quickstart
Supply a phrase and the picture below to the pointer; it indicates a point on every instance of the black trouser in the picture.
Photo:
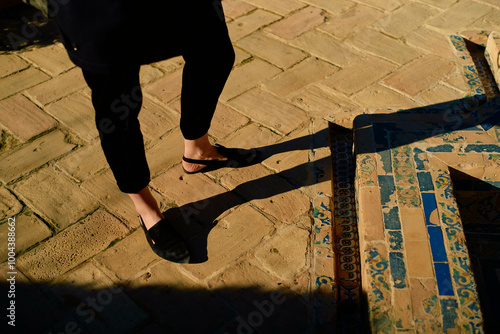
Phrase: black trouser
(117, 98)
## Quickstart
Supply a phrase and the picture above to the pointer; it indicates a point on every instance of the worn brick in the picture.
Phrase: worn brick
(129, 257)
(353, 78)
(383, 46)
(156, 120)
(439, 94)
(116, 309)
(262, 107)
(71, 247)
(52, 59)
(413, 224)
(103, 187)
(251, 136)
(335, 7)
(32, 155)
(23, 118)
(9, 205)
(277, 198)
(77, 113)
(247, 24)
(58, 87)
(403, 315)
(20, 81)
(378, 96)
(299, 76)
(423, 295)
(241, 56)
(236, 234)
(166, 153)
(319, 102)
(170, 65)
(272, 50)
(406, 19)
(29, 231)
(356, 18)
(370, 213)
(460, 16)
(286, 253)
(432, 42)
(247, 76)
(226, 120)
(166, 88)
(282, 7)
(384, 4)
(326, 47)
(168, 293)
(236, 8)
(10, 64)
(56, 197)
(419, 75)
(149, 73)
(298, 23)
(419, 259)
(84, 162)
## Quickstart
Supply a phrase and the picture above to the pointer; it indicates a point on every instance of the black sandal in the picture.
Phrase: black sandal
(236, 157)
(166, 242)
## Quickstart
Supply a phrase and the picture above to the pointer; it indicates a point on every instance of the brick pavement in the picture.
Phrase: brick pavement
(267, 264)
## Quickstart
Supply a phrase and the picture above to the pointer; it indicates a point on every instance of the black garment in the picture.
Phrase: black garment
(110, 39)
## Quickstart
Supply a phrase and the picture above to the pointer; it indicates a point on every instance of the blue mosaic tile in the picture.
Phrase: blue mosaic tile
(398, 270)
(441, 148)
(430, 206)
(437, 244)
(387, 188)
(419, 163)
(385, 157)
(395, 240)
(391, 218)
(490, 148)
(443, 279)
(449, 310)
(425, 181)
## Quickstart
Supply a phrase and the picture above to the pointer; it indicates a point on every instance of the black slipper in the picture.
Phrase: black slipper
(236, 157)
(166, 242)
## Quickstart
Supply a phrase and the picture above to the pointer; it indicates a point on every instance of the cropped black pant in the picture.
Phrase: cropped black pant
(117, 96)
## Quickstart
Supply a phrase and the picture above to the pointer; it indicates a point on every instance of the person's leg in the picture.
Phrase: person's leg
(117, 101)
(204, 77)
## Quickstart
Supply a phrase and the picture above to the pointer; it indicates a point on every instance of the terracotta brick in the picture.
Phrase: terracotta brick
(170, 65)
(282, 7)
(413, 224)
(378, 96)
(149, 74)
(156, 120)
(33, 155)
(84, 162)
(29, 231)
(52, 59)
(226, 120)
(459, 16)
(319, 102)
(56, 197)
(359, 75)
(237, 234)
(9, 205)
(339, 6)
(77, 113)
(241, 56)
(263, 107)
(419, 259)
(245, 77)
(247, 24)
(419, 75)
(384, 5)
(60, 86)
(285, 254)
(457, 80)
(166, 153)
(236, 8)
(71, 247)
(299, 76)
(298, 23)
(103, 187)
(10, 64)
(20, 81)
(346, 23)
(439, 94)
(326, 47)
(128, 258)
(166, 88)
(444, 4)
(383, 46)
(406, 19)
(432, 42)
(272, 50)
(370, 213)
(23, 118)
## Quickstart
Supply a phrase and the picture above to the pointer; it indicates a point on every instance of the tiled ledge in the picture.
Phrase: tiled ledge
(415, 264)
